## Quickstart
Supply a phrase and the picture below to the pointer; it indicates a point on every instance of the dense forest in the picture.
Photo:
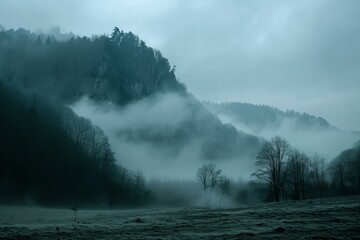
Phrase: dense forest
(51, 156)
(119, 68)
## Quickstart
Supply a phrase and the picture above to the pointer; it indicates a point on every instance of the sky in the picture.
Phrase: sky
(302, 55)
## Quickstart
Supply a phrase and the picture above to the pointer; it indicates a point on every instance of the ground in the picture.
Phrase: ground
(331, 218)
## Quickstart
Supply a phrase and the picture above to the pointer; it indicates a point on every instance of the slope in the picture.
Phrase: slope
(119, 70)
(50, 156)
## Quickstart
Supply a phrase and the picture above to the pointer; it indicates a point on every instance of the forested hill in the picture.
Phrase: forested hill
(119, 68)
(261, 117)
(51, 156)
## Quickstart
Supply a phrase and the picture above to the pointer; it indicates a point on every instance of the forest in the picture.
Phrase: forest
(52, 157)
(291, 174)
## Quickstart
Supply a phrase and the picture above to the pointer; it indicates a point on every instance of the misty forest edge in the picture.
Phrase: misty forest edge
(52, 157)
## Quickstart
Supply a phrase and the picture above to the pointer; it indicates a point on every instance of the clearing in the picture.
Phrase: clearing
(330, 218)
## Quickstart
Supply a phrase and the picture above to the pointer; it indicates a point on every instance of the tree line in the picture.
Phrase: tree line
(286, 173)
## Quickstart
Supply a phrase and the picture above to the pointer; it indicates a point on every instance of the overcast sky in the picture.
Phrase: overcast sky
(302, 55)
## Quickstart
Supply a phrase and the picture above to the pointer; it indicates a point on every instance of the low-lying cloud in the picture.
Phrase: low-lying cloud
(327, 142)
(148, 135)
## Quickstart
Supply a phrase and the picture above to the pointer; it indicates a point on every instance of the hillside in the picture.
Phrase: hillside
(120, 70)
(52, 157)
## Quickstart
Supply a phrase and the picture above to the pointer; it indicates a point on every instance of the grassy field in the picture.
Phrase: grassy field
(331, 218)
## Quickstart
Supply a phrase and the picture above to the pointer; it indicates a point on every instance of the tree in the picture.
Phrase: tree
(98, 146)
(297, 169)
(138, 185)
(209, 177)
(270, 161)
(317, 173)
(38, 41)
(48, 41)
(117, 36)
(337, 168)
(345, 170)
(356, 162)
(224, 186)
(204, 175)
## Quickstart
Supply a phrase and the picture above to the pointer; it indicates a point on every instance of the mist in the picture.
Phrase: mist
(162, 119)
(142, 136)
(316, 140)
(300, 55)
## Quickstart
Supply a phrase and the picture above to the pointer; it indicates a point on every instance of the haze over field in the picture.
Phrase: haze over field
(179, 119)
(301, 55)
(134, 123)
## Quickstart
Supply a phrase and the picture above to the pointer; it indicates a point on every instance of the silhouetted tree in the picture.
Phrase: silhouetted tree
(270, 163)
(209, 177)
(318, 174)
(297, 169)
(224, 186)
(345, 171)
(54, 157)
(38, 41)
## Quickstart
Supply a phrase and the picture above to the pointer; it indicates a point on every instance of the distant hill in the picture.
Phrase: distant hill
(304, 131)
(256, 118)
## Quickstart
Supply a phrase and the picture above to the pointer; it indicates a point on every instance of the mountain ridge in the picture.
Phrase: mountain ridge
(260, 116)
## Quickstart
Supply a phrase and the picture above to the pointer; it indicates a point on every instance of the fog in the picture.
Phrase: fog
(325, 142)
(301, 55)
(190, 193)
(141, 136)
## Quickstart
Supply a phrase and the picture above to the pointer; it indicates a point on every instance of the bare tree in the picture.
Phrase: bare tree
(81, 130)
(139, 184)
(224, 186)
(317, 172)
(215, 178)
(343, 171)
(270, 161)
(209, 177)
(297, 171)
(338, 170)
(99, 145)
